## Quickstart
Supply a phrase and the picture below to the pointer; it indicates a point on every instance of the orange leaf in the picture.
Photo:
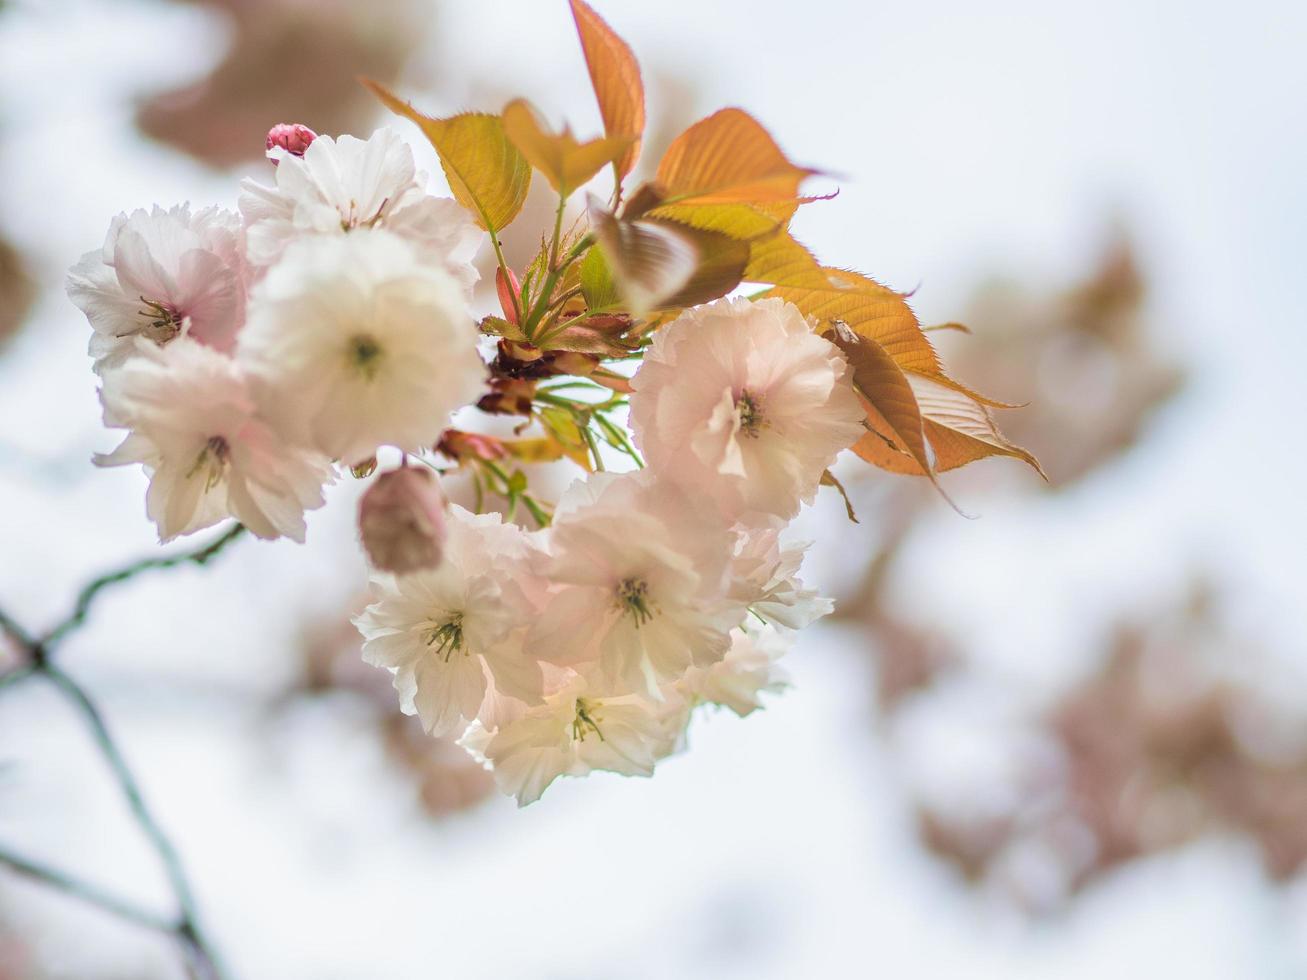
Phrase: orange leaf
(565, 163)
(960, 430)
(615, 76)
(724, 174)
(893, 416)
(727, 158)
(870, 309)
(486, 172)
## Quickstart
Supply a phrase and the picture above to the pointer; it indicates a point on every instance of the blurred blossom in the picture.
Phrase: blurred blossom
(1161, 745)
(17, 291)
(1085, 359)
(288, 59)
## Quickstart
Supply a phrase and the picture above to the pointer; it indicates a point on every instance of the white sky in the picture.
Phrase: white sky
(971, 139)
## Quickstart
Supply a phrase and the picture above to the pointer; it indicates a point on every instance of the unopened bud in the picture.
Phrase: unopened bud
(291, 137)
(402, 521)
(509, 289)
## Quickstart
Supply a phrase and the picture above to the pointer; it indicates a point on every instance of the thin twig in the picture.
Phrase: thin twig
(87, 596)
(186, 928)
(85, 891)
(16, 632)
(203, 963)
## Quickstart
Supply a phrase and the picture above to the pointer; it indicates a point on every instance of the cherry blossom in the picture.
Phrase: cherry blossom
(193, 425)
(640, 583)
(158, 275)
(355, 343)
(337, 186)
(453, 633)
(742, 403)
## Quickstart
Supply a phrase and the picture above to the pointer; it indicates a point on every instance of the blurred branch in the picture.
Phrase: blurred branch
(86, 892)
(87, 596)
(185, 928)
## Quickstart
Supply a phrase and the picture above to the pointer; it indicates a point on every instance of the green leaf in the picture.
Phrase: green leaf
(597, 284)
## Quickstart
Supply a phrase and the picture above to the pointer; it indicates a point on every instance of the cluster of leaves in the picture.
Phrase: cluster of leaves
(715, 215)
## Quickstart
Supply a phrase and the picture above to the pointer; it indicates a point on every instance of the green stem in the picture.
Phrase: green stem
(558, 230)
(551, 280)
(594, 448)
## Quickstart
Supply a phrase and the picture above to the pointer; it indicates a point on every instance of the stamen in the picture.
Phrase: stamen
(586, 718)
(164, 322)
(364, 354)
(213, 460)
(633, 600)
(447, 637)
(751, 418)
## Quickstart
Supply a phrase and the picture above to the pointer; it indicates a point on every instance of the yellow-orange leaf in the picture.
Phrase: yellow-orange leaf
(565, 163)
(870, 309)
(615, 76)
(728, 158)
(487, 174)
(959, 429)
(893, 413)
(545, 449)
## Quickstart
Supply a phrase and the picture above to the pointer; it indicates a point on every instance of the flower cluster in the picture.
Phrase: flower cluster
(250, 355)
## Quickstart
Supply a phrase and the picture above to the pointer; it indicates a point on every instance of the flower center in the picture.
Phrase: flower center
(350, 221)
(163, 322)
(212, 462)
(586, 720)
(364, 355)
(632, 599)
(447, 637)
(749, 407)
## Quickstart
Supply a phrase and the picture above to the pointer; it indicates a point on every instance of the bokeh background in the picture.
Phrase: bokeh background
(1065, 738)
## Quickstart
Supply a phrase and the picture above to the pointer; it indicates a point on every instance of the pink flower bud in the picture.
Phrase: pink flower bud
(402, 520)
(508, 289)
(291, 137)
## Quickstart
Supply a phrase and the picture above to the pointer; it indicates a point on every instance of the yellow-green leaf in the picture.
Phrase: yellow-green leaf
(565, 163)
(615, 76)
(597, 284)
(487, 174)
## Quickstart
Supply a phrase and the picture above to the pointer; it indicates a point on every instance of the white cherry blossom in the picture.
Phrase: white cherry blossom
(738, 679)
(337, 186)
(453, 634)
(356, 343)
(741, 403)
(574, 732)
(195, 429)
(639, 583)
(765, 577)
(160, 274)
